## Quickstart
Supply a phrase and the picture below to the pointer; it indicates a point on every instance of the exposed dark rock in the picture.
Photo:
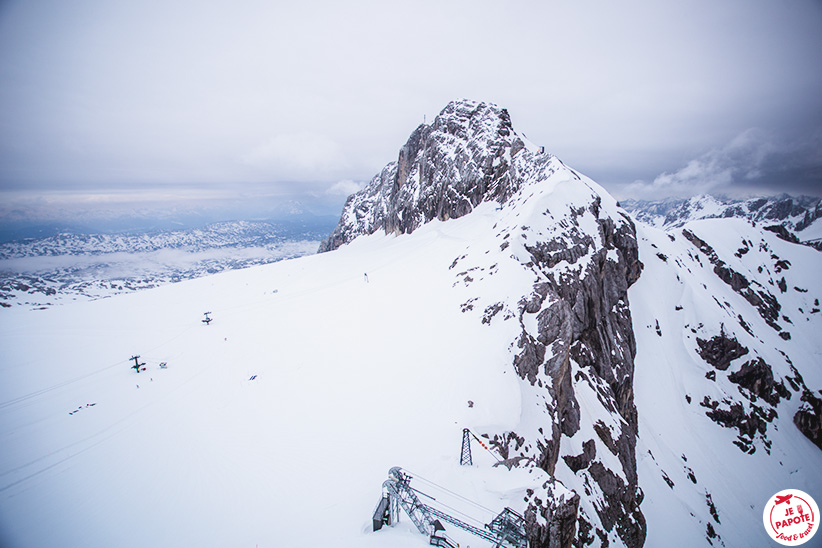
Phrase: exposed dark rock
(584, 536)
(749, 424)
(690, 474)
(585, 318)
(578, 462)
(766, 304)
(783, 233)
(757, 377)
(560, 511)
(720, 350)
(701, 244)
(621, 507)
(781, 265)
(710, 532)
(491, 311)
(809, 417)
(712, 507)
(443, 172)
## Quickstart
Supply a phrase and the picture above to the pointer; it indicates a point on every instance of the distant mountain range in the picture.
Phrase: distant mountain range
(800, 215)
(45, 271)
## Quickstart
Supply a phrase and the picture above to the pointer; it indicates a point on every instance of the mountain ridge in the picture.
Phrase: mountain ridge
(799, 214)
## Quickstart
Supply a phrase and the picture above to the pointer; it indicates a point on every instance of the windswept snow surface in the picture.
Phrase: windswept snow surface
(276, 424)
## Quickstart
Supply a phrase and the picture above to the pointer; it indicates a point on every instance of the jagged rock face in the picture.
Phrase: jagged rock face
(584, 335)
(469, 154)
(574, 334)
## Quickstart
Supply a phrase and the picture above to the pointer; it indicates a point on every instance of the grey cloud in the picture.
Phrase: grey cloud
(753, 161)
(289, 98)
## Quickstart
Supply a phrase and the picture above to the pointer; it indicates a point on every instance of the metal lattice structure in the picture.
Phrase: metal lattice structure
(505, 530)
(509, 527)
(400, 491)
(465, 456)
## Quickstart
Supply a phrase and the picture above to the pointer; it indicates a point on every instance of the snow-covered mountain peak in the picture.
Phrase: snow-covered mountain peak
(469, 154)
(473, 120)
(568, 254)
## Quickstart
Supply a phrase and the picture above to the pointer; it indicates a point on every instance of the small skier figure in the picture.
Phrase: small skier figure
(365, 274)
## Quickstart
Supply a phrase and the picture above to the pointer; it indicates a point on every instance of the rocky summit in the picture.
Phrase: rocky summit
(468, 155)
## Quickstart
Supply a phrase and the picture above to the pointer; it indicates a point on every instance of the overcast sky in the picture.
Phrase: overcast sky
(108, 101)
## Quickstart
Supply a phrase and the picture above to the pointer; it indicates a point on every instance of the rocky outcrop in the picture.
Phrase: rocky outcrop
(576, 334)
(783, 233)
(584, 335)
(720, 350)
(808, 419)
(469, 154)
(561, 507)
(757, 377)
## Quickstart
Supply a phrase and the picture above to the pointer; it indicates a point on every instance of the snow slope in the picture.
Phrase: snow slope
(526, 317)
(352, 377)
(677, 299)
(356, 376)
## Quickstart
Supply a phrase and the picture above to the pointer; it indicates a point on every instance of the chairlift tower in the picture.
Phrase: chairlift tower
(137, 365)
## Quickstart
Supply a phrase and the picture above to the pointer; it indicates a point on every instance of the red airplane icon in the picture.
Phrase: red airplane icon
(780, 500)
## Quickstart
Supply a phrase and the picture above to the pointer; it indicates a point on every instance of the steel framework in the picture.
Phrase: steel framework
(507, 529)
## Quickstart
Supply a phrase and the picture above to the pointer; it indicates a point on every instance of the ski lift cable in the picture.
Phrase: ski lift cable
(46, 390)
(40, 392)
(94, 439)
(467, 518)
(57, 386)
(484, 446)
(439, 503)
(450, 492)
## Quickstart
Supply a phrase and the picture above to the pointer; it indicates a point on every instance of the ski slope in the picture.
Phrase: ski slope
(276, 424)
